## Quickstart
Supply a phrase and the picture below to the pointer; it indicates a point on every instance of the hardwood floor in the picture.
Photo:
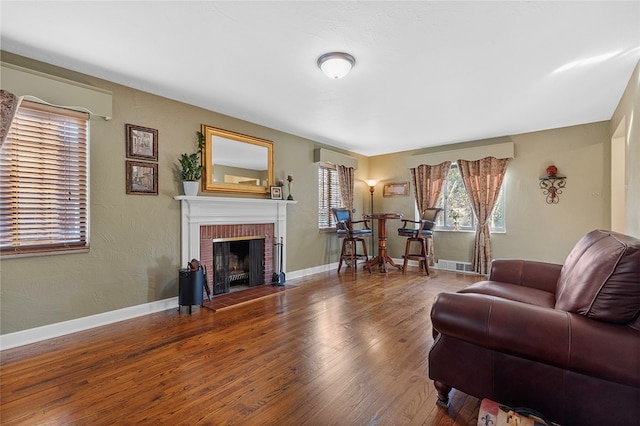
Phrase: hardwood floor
(332, 351)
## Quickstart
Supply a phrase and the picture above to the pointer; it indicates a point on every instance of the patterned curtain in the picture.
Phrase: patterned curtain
(9, 103)
(427, 183)
(482, 179)
(346, 184)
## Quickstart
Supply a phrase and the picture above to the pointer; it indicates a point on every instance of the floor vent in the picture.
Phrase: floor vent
(451, 265)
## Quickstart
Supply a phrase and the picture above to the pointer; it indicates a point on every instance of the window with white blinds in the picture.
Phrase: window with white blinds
(44, 181)
(328, 195)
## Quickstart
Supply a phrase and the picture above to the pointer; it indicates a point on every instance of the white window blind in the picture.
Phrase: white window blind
(328, 195)
(44, 181)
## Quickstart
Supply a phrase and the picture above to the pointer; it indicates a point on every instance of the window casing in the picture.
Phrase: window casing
(44, 206)
(328, 195)
(454, 197)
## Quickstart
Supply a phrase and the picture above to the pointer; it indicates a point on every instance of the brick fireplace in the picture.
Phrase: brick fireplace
(210, 234)
(205, 220)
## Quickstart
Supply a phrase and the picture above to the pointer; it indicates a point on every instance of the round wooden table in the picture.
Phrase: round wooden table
(382, 258)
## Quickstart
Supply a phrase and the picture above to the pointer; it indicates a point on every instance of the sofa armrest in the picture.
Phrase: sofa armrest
(545, 335)
(540, 275)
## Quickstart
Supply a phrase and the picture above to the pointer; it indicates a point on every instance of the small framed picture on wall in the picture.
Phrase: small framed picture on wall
(142, 142)
(397, 189)
(142, 178)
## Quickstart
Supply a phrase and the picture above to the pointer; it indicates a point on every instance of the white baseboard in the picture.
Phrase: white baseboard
(37, 334)
(310, 271)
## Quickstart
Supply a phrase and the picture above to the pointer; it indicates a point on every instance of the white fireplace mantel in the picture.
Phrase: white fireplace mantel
(197, 211)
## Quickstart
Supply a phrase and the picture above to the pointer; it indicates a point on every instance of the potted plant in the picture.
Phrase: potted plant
(191, 168)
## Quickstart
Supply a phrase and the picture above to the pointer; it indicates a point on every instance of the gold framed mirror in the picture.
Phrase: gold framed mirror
(236, 163)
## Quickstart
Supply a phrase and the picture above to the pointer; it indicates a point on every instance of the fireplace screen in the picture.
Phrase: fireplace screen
(237, 264)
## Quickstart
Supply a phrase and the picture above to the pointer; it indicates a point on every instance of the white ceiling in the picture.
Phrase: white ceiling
(427, 73)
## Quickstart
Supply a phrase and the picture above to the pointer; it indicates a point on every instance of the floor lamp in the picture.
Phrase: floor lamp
(372, 187)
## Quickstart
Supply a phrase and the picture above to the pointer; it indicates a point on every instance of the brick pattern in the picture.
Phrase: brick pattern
(210, 232)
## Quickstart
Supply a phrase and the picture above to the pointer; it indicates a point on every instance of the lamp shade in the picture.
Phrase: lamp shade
(336, 64)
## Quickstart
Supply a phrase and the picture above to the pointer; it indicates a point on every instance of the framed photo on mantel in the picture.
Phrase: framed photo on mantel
(276, 193)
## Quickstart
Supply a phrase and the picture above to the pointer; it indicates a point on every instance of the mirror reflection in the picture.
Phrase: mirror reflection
(234, 162)
(240, 163)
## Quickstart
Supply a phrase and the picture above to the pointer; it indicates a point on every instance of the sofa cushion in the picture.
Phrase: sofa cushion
(600, 278)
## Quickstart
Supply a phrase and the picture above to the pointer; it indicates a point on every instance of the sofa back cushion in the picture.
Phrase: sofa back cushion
(601, 278)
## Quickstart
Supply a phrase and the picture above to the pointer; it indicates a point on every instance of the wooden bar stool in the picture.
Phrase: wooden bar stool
(419, 235)
(351, 236)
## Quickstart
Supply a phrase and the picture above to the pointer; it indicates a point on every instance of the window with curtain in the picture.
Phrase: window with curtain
(328, 195)
(44, 182)
(455, 201)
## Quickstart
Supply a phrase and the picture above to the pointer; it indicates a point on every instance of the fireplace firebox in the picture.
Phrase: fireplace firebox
(238, 263)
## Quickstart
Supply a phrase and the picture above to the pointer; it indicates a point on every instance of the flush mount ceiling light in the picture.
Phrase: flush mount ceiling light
(336, 64)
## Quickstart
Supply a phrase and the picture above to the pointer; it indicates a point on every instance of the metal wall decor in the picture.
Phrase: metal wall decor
(552, 185)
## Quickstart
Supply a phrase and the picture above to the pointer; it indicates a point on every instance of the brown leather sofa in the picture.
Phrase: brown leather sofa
(560, 339)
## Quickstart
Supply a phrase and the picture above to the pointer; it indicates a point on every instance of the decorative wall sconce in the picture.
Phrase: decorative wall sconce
(552, 185)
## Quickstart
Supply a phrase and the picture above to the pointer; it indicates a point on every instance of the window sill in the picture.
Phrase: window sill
(16, 255)
(470, 231)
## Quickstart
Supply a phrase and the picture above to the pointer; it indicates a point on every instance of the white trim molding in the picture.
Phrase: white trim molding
(37, 334)
(50, 331)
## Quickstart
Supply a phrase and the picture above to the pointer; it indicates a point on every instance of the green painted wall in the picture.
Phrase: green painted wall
(135, 240)
(535, 229)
